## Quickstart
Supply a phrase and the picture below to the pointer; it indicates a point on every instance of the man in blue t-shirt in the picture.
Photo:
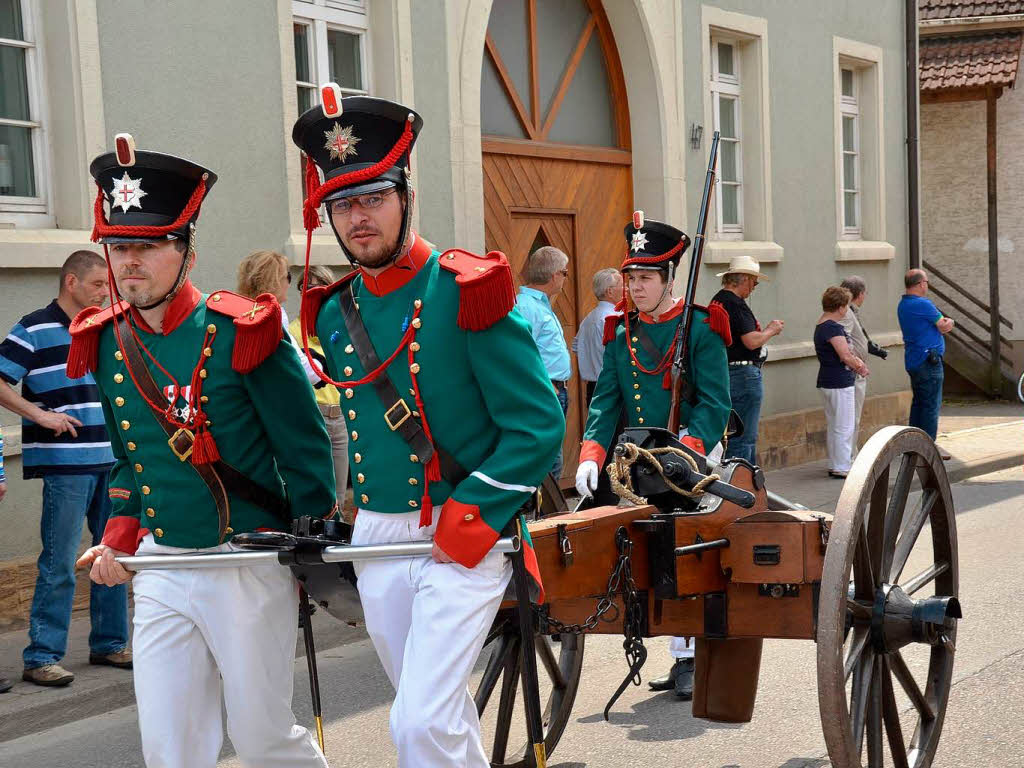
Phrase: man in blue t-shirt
(923, 326)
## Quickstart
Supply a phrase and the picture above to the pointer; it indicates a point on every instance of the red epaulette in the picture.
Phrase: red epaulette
(611, 322)
(314, 298)
(83, 353)
(718, 319)
(258, 328)
(486, 290)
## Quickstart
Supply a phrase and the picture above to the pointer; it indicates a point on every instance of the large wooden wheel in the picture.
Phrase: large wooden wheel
(888, 606)
(559, 667)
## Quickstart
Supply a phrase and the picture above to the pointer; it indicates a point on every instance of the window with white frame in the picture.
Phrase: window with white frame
(725, 105)
(22, 148)
(330, 47)
(849, 182)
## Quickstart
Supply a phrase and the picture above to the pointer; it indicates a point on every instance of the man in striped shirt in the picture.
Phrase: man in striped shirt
(64, 442)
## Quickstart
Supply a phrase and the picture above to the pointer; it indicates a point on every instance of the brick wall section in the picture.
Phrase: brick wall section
(954, 228)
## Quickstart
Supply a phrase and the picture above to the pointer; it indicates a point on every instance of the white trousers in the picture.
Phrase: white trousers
(681, 647)
(428, 622)
(839, 421)
(860, 387)
(201, 634)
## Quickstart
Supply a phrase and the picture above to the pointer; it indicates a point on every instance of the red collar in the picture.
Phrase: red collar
(181, 306)
(401, 272)
(676, 310)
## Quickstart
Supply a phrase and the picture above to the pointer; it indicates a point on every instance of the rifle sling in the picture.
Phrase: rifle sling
(220, 477)
(406, 423)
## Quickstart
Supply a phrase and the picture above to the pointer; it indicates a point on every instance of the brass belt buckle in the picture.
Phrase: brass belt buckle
(395, 423)
(182, 435)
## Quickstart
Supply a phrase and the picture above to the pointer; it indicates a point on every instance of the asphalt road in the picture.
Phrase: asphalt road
(984, 725)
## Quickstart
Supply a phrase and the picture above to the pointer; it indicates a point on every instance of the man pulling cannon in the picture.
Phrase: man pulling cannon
(451, 416)
(215, 431)
(636, 376)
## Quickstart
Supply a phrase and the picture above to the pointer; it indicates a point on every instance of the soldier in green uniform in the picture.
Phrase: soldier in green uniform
(639, 345)
(452, 419)
(215, 431)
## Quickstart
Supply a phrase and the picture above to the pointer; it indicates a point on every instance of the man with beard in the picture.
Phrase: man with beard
(455, 433)
(638, 355)
(205, 447)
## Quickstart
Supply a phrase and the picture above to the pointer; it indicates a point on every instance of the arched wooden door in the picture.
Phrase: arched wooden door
(556, 153)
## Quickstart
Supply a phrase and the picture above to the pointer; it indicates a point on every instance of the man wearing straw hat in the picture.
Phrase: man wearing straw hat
(746, 355)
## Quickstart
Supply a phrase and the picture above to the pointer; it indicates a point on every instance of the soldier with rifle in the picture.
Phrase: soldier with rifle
(215, 432)
(665, 361)
(452, 421)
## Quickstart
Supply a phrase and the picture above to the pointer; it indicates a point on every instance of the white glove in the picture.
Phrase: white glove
(586, 478)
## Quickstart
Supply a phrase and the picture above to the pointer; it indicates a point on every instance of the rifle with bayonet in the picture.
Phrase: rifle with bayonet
(683, 389)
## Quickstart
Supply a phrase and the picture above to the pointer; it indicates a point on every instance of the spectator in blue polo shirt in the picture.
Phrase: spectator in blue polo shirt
(546, 271)
(923, 326)
(64, 442)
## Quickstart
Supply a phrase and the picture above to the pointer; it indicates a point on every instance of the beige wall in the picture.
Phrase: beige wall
(954, 204)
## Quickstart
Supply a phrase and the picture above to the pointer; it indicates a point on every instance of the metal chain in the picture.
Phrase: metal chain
(620, 579)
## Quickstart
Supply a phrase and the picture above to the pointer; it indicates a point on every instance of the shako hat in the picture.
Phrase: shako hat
(360, 141)
(148, 195)
(653, 244)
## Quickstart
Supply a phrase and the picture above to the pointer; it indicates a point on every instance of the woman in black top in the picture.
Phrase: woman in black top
(837, 372)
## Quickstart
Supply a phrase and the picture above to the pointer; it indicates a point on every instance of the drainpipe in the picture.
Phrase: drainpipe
(913, 86)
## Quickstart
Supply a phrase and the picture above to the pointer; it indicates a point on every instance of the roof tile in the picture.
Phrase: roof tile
(959, 9)
(969, 61)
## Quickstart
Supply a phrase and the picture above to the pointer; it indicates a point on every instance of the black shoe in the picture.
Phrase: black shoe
(5, 685)
(684, 679)
(668, 682)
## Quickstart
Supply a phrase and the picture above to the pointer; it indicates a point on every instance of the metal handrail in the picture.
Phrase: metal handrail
(981, 305)
(967, 315)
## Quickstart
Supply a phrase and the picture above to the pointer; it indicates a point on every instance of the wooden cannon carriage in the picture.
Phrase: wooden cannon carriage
(732, 572)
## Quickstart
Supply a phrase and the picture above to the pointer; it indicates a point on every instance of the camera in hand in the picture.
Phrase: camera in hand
(877, 351)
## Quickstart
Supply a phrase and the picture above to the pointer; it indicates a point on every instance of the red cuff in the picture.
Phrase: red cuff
(123, 534)
(694, 442)
(462, 533)
(591, 451)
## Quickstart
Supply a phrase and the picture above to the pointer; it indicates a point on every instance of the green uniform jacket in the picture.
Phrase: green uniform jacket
(265, 423)
(487, 398)
(644, 396)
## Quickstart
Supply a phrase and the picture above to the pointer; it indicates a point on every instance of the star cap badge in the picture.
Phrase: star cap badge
(127, 193)
(639, 241)
(341, 143)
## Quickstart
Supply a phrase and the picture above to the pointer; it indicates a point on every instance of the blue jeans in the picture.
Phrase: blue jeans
(747, 390)
(926, 384)
(563, 400)
(67, 501)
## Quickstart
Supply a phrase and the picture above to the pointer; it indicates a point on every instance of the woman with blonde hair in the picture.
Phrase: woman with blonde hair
(838, 368)
(264, 272)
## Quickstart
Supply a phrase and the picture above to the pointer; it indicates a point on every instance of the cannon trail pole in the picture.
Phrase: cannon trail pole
(531, 688)
(314, 679)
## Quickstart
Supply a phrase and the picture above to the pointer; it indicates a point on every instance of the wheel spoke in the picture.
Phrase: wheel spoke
(859, 696)
(860, 641)
(874, 724)
(864, 581)
(859, 610)
(897, 506)
(506, 704)
(912, 529)
(924, 577)
(910, 687)
(891, 716)
(492, 672)
(547, 657)
(876, 523)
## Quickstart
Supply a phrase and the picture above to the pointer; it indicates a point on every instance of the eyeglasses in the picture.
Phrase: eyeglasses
(369, 202)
